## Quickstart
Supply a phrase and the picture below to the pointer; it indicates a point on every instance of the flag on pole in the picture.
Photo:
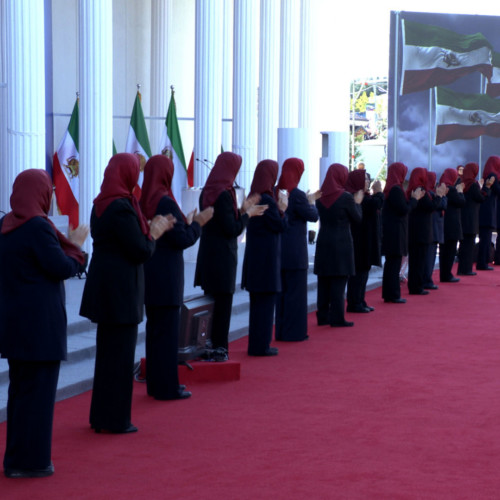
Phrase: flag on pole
(65, 171)
(465, 116)
(190, 171)
(493, 87)
(435, 56)
(171, 146)
(137, 139)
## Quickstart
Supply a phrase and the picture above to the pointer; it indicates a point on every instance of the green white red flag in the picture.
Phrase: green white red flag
(493, 87)
(435, 56)
(137, 139)
(66, 170)
(465, 116)
(171, 146)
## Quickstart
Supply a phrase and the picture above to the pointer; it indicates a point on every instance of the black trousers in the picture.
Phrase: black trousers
(430, 261)
(356, 289)
(417, 259)
(162, 345)
(466, 254)
(30, 413)
(261, 320)
(111, 404)
(447, 253)
(291, 306)
(221, 319)
(331, 300)
(391, 286)
(483, 253)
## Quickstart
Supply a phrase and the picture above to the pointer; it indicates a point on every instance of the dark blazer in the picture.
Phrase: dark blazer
(395, 222)
(470, 211)
(452, 215)
(164, 272)
(438, 218)
(114, 290)
(32, 296)
(334, 246)
(366, 234)
(420, 221)
(262, 260)
(294, 253)
(218, 252)
(488, 209)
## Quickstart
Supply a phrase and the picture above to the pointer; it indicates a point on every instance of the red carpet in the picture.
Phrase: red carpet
(405, 405)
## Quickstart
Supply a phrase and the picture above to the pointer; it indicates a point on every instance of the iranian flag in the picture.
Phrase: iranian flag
(137, 139)
(65, 171)
(171, 146)
(493, 87)
(435, 56)
(465, 116)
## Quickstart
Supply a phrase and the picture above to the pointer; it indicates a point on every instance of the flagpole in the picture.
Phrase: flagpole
(481, 91)
(396, 90)
(430, 131)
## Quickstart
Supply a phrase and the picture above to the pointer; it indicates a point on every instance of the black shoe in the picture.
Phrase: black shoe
(470, 273)
(395, 301)
(431, 287)
(420, 292)
(344, 323)
(23, 473)
(220, 355)
(487, 268)
(322, 323)
(181, 394)
(131, 428)
(270, 351)
(451, 280)
(370, 308)
(358, 309)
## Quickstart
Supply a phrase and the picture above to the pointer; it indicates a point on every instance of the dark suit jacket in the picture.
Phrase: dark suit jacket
(366, 234)
(334, 246)
(164, 272)
(452, 215)
(32, 297)
(420, 221)
(395, 222)
(488, 209)
(114, 290)
(262, 260)
(438, 219)
(294, 253)
(470, 211)
(218, 252)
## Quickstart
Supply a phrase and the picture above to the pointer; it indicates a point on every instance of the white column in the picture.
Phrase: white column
(96, 99)
(305, 66)
(227, 77)
(208, 85)
(25, 89)
(289, 112)
(269, 80)
(4, 179)
(245, 66)
(161, 57)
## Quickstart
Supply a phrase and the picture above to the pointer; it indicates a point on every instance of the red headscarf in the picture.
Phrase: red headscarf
(418, 178)
(291, 172)
(469, 176)
(356, 180)
(492, 166)
(431, 181)
(158, 173)
(449, 177)
(395, 176)
(264, 177)
(333, 185)
(31, 197)
(221, 178)
(120, 178)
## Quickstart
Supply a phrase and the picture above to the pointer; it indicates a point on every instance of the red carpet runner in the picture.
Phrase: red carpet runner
(405, 405)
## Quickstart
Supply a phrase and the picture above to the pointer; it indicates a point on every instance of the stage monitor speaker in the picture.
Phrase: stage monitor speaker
(196, 326)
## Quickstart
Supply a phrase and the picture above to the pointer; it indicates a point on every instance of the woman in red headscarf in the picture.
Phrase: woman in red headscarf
(452, 225)
(291, 305)
(488, 213)
(474, 196)
(218, 252)
(261, 274)
(35, 259)
(113, 296)
(164, 274)
(334, 259)
(366, 239)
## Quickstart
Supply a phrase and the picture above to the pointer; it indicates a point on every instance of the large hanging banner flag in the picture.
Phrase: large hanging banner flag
(435, 56)
(465, 116)
(66, 169)
(137, 139)
(493, 87)
(171, 146)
